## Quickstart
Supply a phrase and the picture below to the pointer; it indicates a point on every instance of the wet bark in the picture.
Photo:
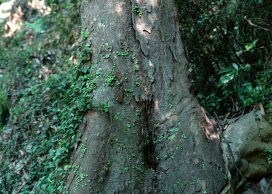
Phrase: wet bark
(154, 137)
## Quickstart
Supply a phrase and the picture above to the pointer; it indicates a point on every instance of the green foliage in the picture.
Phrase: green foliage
(269, 157)
(110, 79)
(37, 26)
(103, 107)
(4, 111)
(227, 46)
(234, 84)
(84, 51)
(136, 9)
(52, 125)
(45, 108)
(122, 53)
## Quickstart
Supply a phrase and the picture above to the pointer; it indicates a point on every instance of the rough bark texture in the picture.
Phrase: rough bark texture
(152, 140)
(248, 137)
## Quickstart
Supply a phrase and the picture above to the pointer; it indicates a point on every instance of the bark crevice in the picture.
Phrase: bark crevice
(149, 149)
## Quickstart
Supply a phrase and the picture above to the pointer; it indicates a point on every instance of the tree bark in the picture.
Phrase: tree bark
(154, 137)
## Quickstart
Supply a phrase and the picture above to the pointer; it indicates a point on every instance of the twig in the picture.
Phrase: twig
(249, 21)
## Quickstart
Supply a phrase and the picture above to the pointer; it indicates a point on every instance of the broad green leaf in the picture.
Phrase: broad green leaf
(224, 70)
(268, 150)
(231, 75)
(251, 45)
(259, 87)
(235, 66)
(239, 52)
(248, 86)
(226, 78)
(213, 104)
(247, 67)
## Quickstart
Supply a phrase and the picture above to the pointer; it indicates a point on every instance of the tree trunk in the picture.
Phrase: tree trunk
(145, 132)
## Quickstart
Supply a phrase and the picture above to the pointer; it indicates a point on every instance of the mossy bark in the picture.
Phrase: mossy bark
(145, 132)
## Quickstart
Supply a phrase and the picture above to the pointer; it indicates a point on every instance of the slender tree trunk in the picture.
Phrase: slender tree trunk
(145, 132)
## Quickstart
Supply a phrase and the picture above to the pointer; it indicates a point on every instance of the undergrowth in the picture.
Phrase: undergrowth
(46, 102)
(227, 46)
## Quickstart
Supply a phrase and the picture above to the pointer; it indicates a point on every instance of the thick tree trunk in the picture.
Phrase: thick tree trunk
(152, 138)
